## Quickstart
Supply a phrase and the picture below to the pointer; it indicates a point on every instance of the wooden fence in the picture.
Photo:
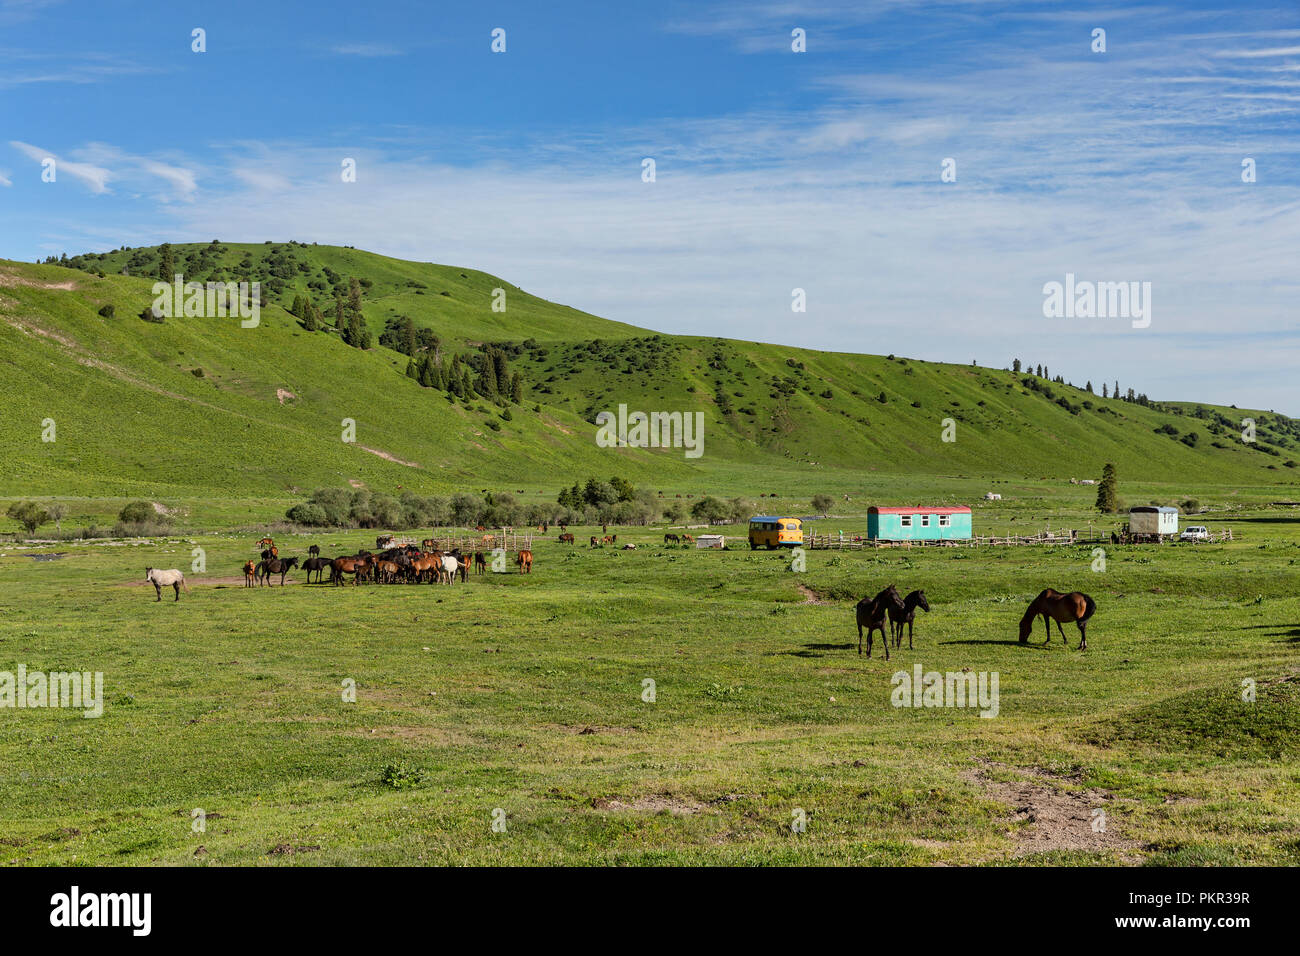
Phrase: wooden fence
(859, 540)
(467, 542)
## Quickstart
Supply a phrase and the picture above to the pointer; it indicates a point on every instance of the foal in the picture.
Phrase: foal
(907, 615)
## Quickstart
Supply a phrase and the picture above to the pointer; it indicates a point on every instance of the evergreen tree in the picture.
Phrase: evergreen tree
(501, 371)
(410, 370)
(1108, 490)
(354, 297)
(517, 389)
(1089, 387)
(1015, 366)
(338, 309)
(1103, 390)
(167, 263)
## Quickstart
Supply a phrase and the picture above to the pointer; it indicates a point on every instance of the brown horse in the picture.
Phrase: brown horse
(315, 564)
(426, 566)
(595, 543)
(480, 562)
(566, 538)
(1055, 606)
(872, 612)
(342, 566)
(277, 566)
(907, 615)
(250, 570)
(525, 561)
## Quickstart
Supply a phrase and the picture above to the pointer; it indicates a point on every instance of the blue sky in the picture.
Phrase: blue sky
(775, 170)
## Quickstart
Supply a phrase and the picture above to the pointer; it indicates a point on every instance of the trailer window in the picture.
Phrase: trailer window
(905, 521)
(945, 521)
(925, 521)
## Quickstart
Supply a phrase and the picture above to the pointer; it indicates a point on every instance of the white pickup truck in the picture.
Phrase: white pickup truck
(1196, 532)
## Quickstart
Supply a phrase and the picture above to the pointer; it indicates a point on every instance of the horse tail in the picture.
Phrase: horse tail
(1090, 607)
(184, 585)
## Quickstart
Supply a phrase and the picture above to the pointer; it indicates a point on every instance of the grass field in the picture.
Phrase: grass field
(508, 719)
(524, 694)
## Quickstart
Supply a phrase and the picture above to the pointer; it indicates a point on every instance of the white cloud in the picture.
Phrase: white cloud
(94, 177)
(365, 49)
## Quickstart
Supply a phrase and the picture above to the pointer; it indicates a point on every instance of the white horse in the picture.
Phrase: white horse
(449, 566)
(162, 579)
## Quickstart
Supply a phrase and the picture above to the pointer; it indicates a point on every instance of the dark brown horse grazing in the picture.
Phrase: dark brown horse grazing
(907, 615)
(872, 613)
(315, 564)
(1055, 606)
(277, 566)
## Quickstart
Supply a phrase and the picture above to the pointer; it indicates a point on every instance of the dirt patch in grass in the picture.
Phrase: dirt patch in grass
(288, 849)
(436, 736)
(653, 803)
(11, 279)
(812, 597)
(1049, 818)
(387, 457)
(588, 730)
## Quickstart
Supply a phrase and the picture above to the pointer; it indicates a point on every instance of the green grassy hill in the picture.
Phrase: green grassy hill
(203, 407)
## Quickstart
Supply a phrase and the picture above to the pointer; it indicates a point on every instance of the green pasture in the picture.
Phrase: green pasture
(523, 696)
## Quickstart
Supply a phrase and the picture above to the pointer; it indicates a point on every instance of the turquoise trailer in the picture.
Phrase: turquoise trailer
(941, 523)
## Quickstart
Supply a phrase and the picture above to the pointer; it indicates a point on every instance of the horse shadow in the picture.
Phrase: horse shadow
(811, 649)
(1290, 631)
(1034, 645)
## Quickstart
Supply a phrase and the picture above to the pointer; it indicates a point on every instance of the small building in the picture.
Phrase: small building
(919, 523)
(1153, 519)
(992, 496)
(710, 541)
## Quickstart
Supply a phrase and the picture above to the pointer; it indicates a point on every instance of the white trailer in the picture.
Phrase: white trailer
(1153, 520)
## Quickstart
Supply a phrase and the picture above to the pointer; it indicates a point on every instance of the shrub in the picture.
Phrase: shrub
(28, 514)
(400, 776)
(139, 512)
(308, 514)
(822, 503)
(107, 311)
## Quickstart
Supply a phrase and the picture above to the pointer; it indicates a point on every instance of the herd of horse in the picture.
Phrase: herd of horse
(408, 564)
(402, 564)
(900, 611)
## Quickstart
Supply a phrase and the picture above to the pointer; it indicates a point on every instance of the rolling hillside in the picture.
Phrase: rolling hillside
(201, 406)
